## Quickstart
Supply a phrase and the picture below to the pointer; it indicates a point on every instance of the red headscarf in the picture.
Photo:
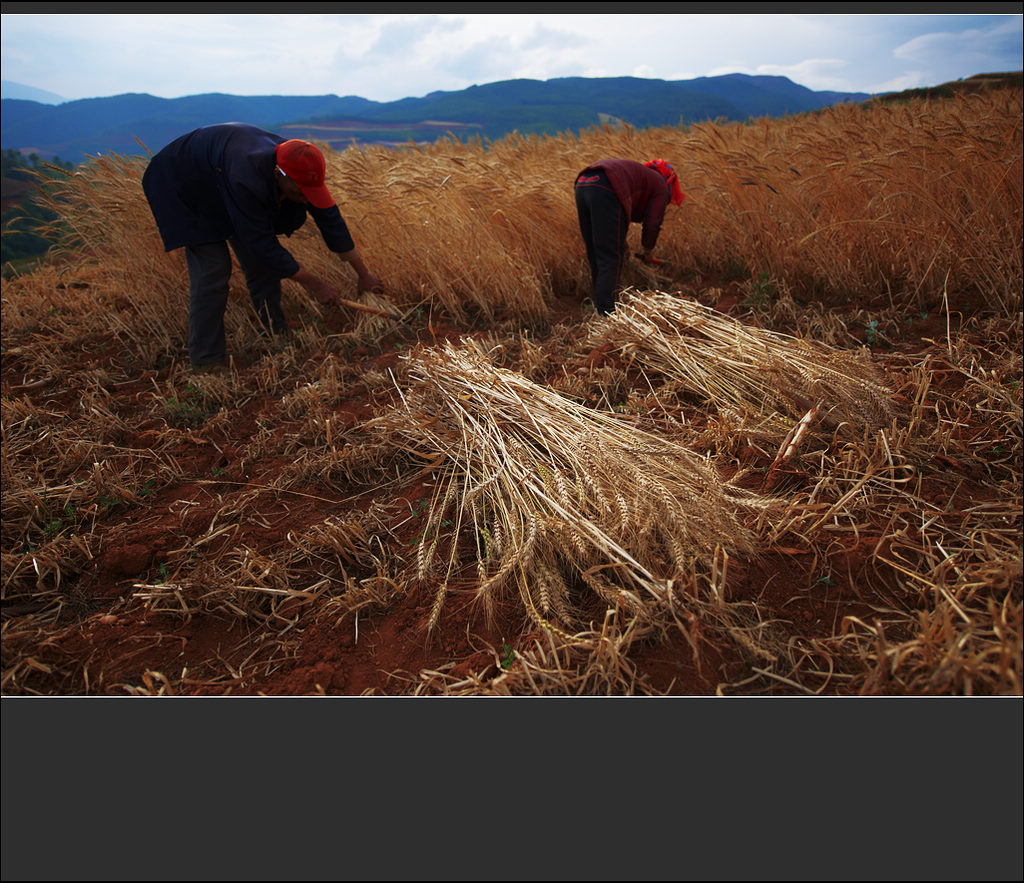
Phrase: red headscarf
(668, 173)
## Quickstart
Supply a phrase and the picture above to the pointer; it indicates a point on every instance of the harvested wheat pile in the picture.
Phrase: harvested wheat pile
(742, 369)
(556, 493)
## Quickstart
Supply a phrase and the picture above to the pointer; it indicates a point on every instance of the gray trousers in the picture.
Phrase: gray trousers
(209, 269)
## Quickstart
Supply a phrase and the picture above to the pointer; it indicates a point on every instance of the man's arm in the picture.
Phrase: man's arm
(338, 239)
(367, 281)
(319, 290)
(324, 293)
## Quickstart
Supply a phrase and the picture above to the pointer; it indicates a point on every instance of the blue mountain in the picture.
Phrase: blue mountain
(126, 124)
(10, 89)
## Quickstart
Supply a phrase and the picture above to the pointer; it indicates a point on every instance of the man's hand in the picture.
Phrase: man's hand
(319, 290)
(366, 280)
(322, 293)
(369, 282)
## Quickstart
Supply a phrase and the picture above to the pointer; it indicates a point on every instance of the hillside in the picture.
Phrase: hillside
(967, 86)
(662, 520)
(788, 464)
(10, 89)
(117, 124)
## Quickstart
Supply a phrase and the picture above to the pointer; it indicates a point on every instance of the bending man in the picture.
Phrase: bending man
(234, 183)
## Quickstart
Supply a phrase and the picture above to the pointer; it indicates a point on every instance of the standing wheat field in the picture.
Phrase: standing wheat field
(788, 463)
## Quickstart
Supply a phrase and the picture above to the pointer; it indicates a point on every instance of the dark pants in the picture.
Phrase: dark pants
(603, 224)
(209, 269)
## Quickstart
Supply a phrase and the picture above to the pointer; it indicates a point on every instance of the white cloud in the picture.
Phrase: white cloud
(942, 56)
(908, 80)
(820, 74)
(391, 55)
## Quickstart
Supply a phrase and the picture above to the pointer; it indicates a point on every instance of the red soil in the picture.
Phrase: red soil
(102, 642)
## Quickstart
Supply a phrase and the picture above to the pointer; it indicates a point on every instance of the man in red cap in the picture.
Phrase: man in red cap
(234, 183)
(610, 195)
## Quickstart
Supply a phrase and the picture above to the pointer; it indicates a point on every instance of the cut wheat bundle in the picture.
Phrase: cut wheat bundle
(557, 494)
(732, 365)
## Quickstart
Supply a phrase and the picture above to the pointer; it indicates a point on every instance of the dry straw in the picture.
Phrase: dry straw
(736, 367)
(556, 495)
(898, 205)
(599, 533)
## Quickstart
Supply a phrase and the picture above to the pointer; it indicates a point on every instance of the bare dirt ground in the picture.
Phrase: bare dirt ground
(102, 640)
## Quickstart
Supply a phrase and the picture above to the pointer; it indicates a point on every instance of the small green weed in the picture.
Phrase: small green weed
(429, 535)
(508, 656)
(873, 336)
(108, 503)
(763, 292)
(188, 409)
(56, 523)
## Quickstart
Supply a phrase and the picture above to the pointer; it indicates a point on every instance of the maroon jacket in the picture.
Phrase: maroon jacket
(642, 191)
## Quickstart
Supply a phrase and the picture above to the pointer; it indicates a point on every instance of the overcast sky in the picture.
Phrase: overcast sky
(389, 55)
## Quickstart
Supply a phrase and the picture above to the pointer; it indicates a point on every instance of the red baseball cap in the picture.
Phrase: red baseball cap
(304, 164)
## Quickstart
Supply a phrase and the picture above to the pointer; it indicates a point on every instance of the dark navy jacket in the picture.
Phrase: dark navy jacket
(218, 182)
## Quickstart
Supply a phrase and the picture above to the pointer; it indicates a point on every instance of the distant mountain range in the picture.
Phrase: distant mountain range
(74, 130)
(10, 89)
